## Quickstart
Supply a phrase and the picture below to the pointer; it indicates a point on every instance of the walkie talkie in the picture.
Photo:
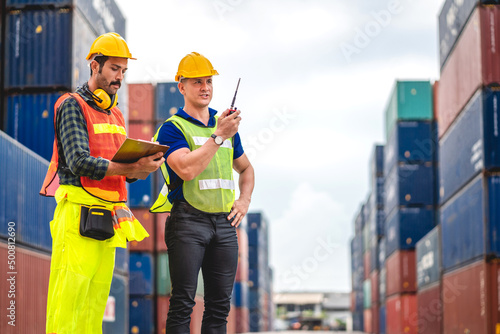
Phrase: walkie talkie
(232, 109)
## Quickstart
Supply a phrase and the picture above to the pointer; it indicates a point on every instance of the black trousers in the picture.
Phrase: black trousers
(195, 240)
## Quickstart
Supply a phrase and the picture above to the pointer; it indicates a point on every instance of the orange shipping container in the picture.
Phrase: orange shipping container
(367, 321)
(471, 299)
(141, 102)
(374, 277)
(401, 272)
(142, 130)
(474, 62)
(160, 219)
(401, 314)
(242, 315)
(430, 309)
(25, 285)
(163, 305)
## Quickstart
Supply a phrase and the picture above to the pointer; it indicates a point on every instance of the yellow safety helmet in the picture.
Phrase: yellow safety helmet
(110, 44)
(195, 65)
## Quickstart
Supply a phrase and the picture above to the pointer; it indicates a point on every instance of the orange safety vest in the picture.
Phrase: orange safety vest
(106, 134)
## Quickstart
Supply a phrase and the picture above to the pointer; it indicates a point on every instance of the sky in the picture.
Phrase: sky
(316, 76)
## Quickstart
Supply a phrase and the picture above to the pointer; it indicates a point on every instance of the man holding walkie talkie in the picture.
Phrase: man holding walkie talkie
(199, 192)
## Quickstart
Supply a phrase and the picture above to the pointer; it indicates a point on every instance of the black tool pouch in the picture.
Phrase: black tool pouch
(96, 222)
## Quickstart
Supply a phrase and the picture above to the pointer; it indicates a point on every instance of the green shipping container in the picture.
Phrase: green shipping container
(163, 285)
(410, 100)
(367, 294)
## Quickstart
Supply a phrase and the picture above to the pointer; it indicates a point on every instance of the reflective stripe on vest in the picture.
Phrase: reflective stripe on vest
(213, 189)
(101, 128)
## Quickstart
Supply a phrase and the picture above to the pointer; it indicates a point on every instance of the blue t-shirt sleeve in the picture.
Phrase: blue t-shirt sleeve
(170, 135)
(238, 148)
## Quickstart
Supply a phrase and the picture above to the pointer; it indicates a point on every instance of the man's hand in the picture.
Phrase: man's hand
(227, 125)
(144, 166)
(239, 211)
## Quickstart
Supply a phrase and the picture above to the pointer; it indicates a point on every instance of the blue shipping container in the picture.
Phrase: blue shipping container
(357, 321)
(359, 222)
(377, 162)
(382, 285)
(429, 258)
(471, 145)
(168, 100)
(140, 193)
(374, 250)
(141, 315)
(376, 222)
(255, 296)
(470, 223)
(411, 142)
(30, 120)
(381, 252)
(409, 185)
(377, 197)
(115, 319)
(21, 206)
(382, 320)
(240, 294)
(452, 19)
(406, 226)
(121, 260)
(257, 230)
(141, 274)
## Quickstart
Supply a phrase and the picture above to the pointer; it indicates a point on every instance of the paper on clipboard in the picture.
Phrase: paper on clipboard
(134, 149)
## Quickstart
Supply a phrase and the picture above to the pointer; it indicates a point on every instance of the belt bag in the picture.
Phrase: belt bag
(96, 222)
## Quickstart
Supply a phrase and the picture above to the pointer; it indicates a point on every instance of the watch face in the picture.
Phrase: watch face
(218, 140)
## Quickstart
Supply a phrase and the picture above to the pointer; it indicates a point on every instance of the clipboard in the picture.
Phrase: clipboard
(134, 149)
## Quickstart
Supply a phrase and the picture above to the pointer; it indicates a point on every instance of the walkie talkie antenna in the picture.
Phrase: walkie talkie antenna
(236, 92)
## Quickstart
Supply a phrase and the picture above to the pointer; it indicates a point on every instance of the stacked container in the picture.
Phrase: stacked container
(468, 143)
(358, 272)
(241, 284)
(45, 46)
(409, 198)
(259, 280)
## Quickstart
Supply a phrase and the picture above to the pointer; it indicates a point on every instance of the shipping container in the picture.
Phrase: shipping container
(430, 309)
(410, 185)
(243, 264)
(376, 223)
(470, 223)
(382, 288)
(472, 64)
(429, 258)
(141, 274)
(382, 319)
(168, 100)
(140, 193)
(366, 264)
(26, 285)
(141, 315)
(406, 227)
(475, 135)
(163, 284)
(147, 221)
(121, 261)
(231, 318)
(21, 206)
(368, 321)
(115, 320)
(160, 219)
(374, 279)
(357, 321)
(476, 287)
(452, 19)
(375, 313)
(242, 319)
(141, 130)
(382, 252)
(401, 314)
(366, 238)
(29, 119)
(377, 162)
(377, 188)
(162, 307)
(33, 37)
(240, 294)
(141, 100)
(411, 142)
(409, 100)
(257, 230)
(401, 273)
(374, 254)
(358, 277)
(359, 222)
(367, 293)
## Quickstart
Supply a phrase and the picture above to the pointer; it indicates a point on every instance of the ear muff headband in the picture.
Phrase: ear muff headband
(103, 99)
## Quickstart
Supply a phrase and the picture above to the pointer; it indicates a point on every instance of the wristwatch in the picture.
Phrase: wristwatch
(218, 139)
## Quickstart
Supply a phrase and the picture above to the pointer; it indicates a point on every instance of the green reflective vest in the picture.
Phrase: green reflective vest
(213, 190)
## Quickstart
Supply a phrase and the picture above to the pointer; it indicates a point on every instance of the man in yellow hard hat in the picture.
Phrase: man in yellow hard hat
(201, 229)
(91, 217)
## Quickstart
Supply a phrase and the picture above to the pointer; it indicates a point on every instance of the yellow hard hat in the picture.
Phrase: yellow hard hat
(195, 65)
(110, 44)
